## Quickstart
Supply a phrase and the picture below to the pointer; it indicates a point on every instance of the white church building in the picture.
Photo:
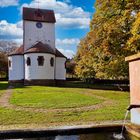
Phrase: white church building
(37, 61)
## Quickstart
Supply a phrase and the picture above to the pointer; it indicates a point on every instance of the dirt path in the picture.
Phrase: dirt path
(4, 102)
(4, 99)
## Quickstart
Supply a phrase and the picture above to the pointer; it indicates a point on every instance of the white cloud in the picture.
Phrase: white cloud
(18, 41)
(10, 30)
(6, 3)
(67, 42)
(67, 53)
(72, 22)
(67, 15)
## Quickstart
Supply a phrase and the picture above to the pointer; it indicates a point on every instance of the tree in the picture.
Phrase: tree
(110, 30)
(70, 66)
(85, 62)
(3, 65)
(134, 41)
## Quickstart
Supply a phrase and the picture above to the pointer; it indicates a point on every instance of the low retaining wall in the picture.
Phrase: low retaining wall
(14, 134)
(38, 82)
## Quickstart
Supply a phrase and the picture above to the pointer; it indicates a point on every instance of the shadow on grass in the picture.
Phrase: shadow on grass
(3, 85)
(81, 84)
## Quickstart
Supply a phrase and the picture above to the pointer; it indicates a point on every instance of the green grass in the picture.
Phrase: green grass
(114, 95)
(52, 97)
(3, 87)
(10, 116)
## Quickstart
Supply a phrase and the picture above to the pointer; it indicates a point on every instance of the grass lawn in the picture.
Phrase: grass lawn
(52, 97)
(11, 116)
(60, 98)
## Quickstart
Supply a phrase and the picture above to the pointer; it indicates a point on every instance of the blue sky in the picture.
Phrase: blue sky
(73, 17)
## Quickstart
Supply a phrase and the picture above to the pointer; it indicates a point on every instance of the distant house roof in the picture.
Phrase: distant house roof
(40, 48)
(18, 51)
(33, 14)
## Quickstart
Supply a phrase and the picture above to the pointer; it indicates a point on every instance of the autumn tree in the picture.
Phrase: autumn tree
(113, 25)
(85, 62)
(134, 41)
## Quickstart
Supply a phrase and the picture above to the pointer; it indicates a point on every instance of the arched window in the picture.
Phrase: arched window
(9, 62)
(40, 60)
(52, 61)
(28, 61)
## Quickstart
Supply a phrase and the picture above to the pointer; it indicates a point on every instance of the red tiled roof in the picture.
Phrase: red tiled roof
(18, 51)
(37, 48)
(59, 54)
(43, 15)
(40, 48)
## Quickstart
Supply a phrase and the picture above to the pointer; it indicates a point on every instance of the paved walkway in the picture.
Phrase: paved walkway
(4, 102)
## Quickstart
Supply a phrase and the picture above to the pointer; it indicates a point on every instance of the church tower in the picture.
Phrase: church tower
(37, 61)
(38, 26)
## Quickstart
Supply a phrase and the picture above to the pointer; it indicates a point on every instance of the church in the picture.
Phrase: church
(37, 61)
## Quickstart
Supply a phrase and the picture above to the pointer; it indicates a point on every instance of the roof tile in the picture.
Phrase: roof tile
(33, 14)
(39, 47)
(18, 51)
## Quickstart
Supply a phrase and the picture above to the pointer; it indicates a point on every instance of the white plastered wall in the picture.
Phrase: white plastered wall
(32, 34)
(34, 71)
(60, 72)
(16, 71)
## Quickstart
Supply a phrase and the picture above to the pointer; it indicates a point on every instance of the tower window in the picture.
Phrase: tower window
(52, 61)
(40, 60)
(28, 61)
(9, 62)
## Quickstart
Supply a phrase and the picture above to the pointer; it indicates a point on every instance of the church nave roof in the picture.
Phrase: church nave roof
(39, 47)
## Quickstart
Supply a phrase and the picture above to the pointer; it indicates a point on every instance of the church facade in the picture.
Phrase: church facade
(37, 61)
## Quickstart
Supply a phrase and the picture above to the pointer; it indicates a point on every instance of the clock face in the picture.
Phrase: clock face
(39, 25)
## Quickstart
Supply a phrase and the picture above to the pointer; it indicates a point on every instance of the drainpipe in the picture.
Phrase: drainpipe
(133, 106)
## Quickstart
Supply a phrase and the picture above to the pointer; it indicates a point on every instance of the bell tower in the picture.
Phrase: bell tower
(38, 26)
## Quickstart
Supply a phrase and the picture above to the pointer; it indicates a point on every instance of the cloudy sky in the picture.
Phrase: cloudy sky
(72, 16)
